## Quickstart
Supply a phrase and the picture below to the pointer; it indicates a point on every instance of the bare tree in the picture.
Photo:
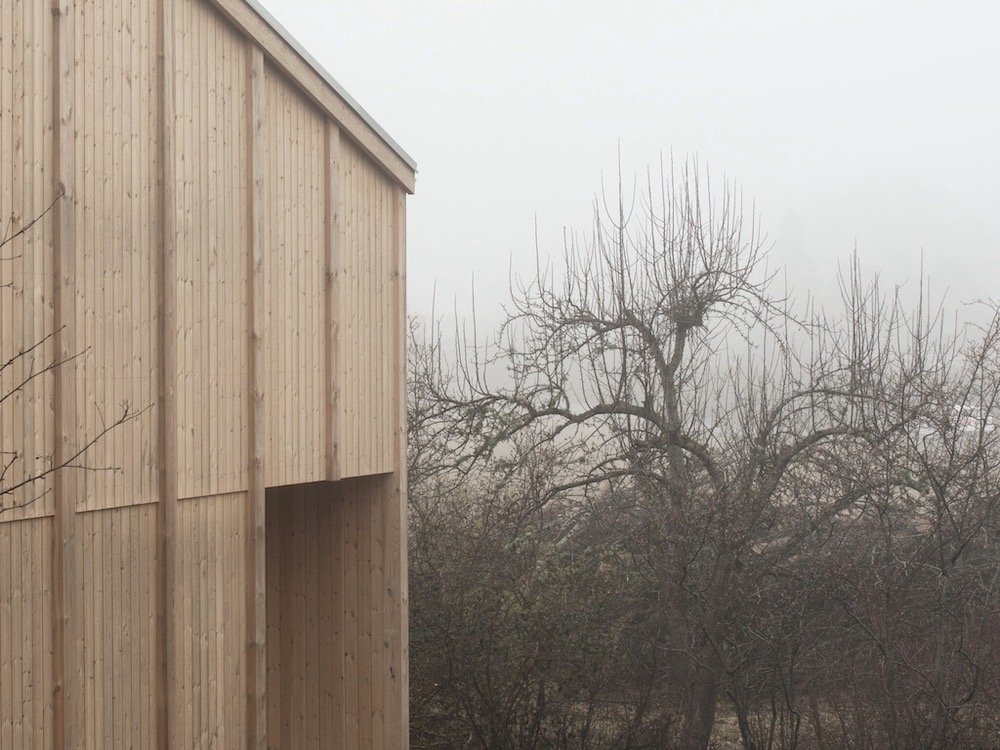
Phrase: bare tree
(916, 576)
(526, 629)
(660, 353)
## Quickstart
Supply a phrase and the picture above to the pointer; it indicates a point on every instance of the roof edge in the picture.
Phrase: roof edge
(332, 82)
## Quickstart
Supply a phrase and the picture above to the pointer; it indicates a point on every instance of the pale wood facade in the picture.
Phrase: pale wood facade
(228, 255)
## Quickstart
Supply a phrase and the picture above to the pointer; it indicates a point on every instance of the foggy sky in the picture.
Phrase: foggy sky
(873, 125)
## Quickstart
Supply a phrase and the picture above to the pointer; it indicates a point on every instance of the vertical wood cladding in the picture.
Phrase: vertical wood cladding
(26, 314)
(116, 559)
(328, 660)
(294, 280)
(227, 260)
(25, 634)
(367, 288)
(115, 104)
(211, 287)
(211, 630)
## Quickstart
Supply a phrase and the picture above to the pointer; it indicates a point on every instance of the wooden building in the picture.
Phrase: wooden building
(224, 253)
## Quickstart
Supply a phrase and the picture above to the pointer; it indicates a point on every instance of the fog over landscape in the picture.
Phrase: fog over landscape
(850, 125)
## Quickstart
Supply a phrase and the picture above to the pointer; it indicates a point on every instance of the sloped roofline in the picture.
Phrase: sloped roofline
(341, 91)
(283, 49)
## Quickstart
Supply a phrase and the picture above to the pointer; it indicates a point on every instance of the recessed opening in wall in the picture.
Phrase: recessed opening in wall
(325, 654)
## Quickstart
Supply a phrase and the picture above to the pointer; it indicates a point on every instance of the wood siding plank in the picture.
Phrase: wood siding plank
(395, 571)
(338, 613)
(275, 574)
(67, 661)
(166, 667)
(258, 624)
(352, 575)
(376, 648)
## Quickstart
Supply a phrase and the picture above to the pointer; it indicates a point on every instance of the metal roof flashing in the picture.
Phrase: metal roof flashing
(332, 82)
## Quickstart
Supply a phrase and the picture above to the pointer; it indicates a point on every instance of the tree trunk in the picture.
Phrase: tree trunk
(703, 700)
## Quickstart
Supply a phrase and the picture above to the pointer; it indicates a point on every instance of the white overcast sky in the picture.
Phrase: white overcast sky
(871, 124)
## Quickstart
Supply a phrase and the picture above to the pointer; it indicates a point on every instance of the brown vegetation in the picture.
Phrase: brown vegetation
(659, 497)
